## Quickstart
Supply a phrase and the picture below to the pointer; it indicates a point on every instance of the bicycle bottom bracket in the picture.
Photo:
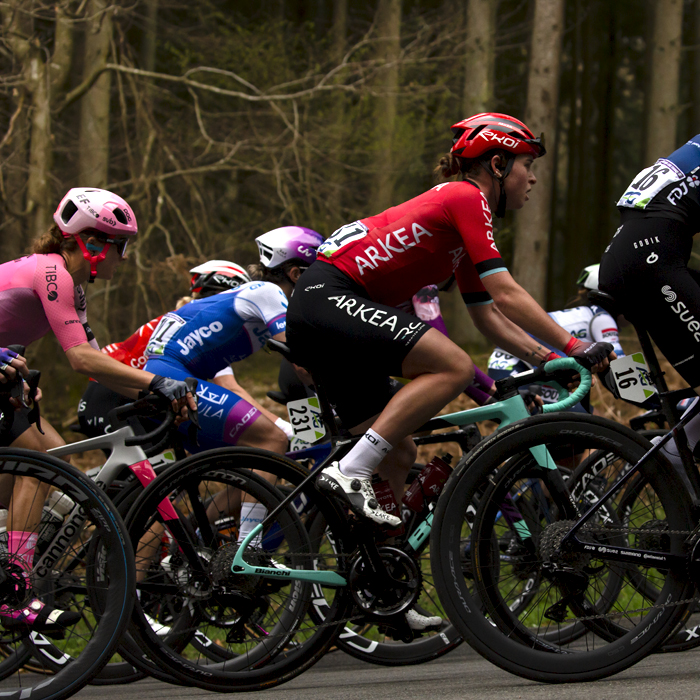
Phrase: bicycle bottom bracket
(390, 592)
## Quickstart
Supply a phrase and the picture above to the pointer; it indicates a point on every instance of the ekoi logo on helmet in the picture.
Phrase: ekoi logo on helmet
(505, 141)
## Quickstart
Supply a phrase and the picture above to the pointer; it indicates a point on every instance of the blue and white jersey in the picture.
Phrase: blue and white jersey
(589, 323)
(207, 335)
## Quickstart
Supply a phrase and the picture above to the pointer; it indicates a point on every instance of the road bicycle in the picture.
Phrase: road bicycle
(332, 580)
(89, 568)
(613, 578)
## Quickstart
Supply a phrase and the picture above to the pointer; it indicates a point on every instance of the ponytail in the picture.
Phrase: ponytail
(53, 241)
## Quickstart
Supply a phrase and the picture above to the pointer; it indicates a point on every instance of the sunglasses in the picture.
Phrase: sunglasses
(121, 244)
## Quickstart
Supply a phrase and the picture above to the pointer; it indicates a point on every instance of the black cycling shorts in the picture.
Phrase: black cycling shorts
(20, 424)
(351, 344)
(646, 269)
(96, 402)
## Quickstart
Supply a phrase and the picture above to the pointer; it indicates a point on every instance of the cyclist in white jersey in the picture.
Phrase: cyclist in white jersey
(585, 321)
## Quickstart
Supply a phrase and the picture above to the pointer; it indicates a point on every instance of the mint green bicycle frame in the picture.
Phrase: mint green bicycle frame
(507, 412)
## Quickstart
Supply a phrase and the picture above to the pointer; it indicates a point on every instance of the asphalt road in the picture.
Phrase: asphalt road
(461, 674)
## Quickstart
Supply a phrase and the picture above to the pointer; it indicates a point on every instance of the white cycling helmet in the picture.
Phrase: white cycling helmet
(216, 276)
(589, 277)
(288, 243)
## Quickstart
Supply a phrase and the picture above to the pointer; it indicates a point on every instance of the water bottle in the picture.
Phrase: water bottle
(387, 502)
(428, 485)
(57, 507)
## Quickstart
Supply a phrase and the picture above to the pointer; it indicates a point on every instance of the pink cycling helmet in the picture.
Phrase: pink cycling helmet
(288, 243)
(88, 209)
(216, 276)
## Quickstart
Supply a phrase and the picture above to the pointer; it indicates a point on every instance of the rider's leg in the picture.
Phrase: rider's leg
(264, 434)
(28, 495)
(440, 371)
(397, 463)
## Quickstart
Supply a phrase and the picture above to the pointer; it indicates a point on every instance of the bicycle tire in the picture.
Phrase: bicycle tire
(287, 651)
(505, 641)
(89, 644)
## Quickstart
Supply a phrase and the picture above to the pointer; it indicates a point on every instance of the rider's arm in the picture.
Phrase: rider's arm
(114, 375)
(522, 310)
(501, 331)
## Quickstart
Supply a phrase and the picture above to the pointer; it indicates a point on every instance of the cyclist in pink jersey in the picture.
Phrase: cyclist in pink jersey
(342, 323)
(43, 292)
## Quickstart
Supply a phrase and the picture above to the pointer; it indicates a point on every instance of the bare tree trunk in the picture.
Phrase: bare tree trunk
(662, 114)
(148, 38)
(480, 63)
(94, 106)
(339, 30)
(531, 250)
(480, 55)
(13, 239)
(39, 197)
(388, 32)
(336, 178)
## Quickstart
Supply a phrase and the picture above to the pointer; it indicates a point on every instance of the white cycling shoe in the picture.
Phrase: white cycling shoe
(423, 623)
(357, 493)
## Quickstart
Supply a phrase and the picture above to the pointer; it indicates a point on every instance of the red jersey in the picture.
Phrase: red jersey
(132, 351)
(446, 230)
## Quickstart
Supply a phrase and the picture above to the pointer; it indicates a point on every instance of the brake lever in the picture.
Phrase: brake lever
(34, 415)
(193, 416)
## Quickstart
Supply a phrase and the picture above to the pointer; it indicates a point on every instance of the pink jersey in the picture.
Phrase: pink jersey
(37, 295)
(446, 230)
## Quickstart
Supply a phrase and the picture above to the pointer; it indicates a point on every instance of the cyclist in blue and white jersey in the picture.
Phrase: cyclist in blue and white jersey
(584, 320)
(203, 338)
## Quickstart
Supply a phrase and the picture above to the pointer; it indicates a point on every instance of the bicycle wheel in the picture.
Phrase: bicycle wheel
(65, 577)
(260, 627)
(572, 589)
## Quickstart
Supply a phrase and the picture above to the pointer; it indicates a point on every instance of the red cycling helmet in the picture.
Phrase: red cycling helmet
(475, 137)
(487, 131)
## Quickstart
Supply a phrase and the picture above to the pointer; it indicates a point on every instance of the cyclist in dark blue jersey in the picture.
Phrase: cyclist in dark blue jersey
(645, 267)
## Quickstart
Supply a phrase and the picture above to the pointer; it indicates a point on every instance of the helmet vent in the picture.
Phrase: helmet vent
(120, 216)
(68, 212)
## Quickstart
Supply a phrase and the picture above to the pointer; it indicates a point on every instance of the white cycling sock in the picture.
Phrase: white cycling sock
(252, 514)
(363, 459)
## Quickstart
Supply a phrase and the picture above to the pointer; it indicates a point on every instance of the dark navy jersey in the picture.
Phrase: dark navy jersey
(669, 188)
(209, 334)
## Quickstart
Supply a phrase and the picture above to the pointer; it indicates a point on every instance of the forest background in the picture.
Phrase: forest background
(221, 119)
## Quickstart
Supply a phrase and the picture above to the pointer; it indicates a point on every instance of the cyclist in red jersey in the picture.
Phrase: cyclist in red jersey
(43, 292)
(342, 323)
